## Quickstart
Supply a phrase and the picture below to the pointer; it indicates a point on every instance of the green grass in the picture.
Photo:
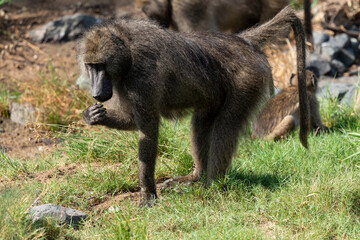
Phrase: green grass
(273, 190)
(7, 94)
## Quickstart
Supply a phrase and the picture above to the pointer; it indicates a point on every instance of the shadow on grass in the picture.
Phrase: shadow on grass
(251, 180)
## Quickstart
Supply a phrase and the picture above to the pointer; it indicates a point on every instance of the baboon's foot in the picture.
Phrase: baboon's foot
(321, 130)
(148, 199)
(187, 179)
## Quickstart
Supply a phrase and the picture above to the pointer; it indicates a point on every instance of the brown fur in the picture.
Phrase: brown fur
(155, 72)
(213, 15)
(217, 15)
(280, 115)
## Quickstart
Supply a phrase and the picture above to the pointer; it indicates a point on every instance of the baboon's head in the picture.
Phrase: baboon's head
(311, 80)
(103, 58)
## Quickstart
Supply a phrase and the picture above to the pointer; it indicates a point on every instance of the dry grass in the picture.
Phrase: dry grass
(283, 63)
(58, 99)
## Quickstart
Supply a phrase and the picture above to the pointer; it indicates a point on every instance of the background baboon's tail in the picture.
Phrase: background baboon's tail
(271, 30)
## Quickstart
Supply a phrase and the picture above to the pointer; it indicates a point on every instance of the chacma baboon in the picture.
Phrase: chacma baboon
(210, 15)
(217, 15)
(280, 115)
(145, 72)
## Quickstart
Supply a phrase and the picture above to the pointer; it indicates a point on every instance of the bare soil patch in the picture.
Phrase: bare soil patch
(22, 60)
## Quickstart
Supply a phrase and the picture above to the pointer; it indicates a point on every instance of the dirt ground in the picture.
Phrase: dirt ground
(23, 60)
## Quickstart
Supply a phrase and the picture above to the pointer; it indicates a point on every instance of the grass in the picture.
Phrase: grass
(273, 190)
(58, 100)
(7, 94)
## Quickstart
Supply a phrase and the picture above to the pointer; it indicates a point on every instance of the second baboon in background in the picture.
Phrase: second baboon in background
(280, 115)
(210, 15)
(217, 15)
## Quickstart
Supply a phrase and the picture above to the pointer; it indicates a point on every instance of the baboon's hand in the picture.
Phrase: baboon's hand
(94, 114)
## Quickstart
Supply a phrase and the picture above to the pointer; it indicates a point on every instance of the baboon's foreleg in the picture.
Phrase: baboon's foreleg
(287, 125)
(96, 114)
(148, 143)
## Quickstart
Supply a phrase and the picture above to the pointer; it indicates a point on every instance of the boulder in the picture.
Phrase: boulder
(22, 113)
(346, 56)
(64, 29)
(322, 65)
(60, 214)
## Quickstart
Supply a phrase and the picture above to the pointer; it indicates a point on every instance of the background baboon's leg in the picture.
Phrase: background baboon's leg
(284, 127)
(148, 143)
(224, 139)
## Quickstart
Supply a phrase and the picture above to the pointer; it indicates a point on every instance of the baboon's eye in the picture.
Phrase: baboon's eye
(95, 66)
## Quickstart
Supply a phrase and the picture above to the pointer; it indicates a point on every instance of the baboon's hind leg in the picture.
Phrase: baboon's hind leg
(224, 139)
(201, 123)
(287, 125)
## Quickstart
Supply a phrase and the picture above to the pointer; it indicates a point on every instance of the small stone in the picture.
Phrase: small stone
(338, 66)
(354, 43)
(319, 38)
(349, 97)
(327, 88)
(322, 65)
(2, 130)
(60, 214)
(346, 56)
(22, 113)
(329, 52)
(340, 41)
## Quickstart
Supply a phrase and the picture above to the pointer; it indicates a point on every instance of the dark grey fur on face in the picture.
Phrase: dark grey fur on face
(154, 72)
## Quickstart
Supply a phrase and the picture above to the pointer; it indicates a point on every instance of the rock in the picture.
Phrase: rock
(329, 52)
(2, 130)
(60, 214)
(346, 56)
(355, 45)
(322, 65)
(340, 41)
(338, 66)
(22, 113)
(64, 29)
(331, 89)
(320, 37)
(349, 97)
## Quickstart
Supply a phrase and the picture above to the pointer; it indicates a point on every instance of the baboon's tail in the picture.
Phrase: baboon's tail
(268, 32)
